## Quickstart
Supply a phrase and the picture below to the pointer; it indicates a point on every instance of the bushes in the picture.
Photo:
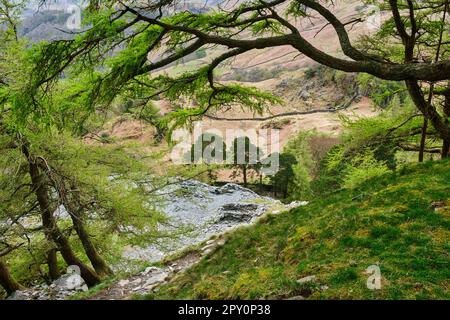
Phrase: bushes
(299, 164)
(362, 168)
(253, 74)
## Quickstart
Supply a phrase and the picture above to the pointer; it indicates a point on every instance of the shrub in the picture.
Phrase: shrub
(362, 168)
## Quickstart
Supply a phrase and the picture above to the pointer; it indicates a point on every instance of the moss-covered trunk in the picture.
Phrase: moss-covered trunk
(6, 280)
(41, 191)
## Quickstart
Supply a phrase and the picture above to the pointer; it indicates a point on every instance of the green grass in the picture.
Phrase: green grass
(387, 221)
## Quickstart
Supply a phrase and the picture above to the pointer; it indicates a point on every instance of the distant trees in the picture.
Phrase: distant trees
(285, 176)
(246, 157)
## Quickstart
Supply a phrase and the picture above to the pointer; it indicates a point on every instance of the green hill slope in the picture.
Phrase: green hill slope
(391, 221)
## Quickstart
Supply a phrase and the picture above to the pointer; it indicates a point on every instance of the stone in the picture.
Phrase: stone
(296, 298)
(295, 204)
(207, 247)
(307, 279)
(150, 270)
(207, 251)
(239, 212)
(84, 288)
(159, 277)
(18, 295)
(70, 282)
(123, 283)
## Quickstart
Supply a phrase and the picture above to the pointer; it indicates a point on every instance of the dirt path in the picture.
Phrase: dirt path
(152, 277)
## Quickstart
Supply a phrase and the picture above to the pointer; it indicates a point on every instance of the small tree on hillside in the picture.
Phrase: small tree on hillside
(282, 180)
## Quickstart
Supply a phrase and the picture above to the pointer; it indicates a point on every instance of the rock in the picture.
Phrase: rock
(440, 206)
(307, 279)
(18, 295)
(232, 187)
(207, 251)
(207, 247)
(70, 281)
(123, 283)
(150, 270)
(295, 204)
(61, 213)
(157, 278)
(136, 281)
(283, 83)
(240, 212)
(296, 298)
(324, 288)
(304, 95)
(84, 288)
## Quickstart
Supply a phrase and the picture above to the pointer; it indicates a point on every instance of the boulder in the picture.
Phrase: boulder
(71, 281)
(307, 279)
(238, 212)
(19, 295)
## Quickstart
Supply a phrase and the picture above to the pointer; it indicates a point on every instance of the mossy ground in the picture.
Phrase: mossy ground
(388, 221)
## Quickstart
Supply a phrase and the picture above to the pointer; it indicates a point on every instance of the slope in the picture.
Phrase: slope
(399, 222)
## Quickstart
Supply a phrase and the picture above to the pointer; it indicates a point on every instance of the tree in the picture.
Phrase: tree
(6, 280)
(254, 24)
(41, 156)
(245, 156)
(285, 175)
(208, 148)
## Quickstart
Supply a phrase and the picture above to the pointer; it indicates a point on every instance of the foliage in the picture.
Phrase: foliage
(381, 92)
(362, 168)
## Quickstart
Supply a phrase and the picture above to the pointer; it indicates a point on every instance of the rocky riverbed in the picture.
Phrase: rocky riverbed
(203, 211)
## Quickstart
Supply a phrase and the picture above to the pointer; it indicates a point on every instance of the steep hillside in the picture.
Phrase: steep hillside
(399, 222)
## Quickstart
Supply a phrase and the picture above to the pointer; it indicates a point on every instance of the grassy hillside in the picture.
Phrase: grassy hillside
(389, 221)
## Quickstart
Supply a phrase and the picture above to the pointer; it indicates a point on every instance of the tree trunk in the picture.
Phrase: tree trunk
(423, 139)
(6, 280)
(430, 113)
(97, 261)
(100, 266)
(52, 262)
(49, 223)
(244, 173)
(446, 143)
(285, 193)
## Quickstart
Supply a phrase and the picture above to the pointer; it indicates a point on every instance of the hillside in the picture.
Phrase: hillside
(399, 222)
